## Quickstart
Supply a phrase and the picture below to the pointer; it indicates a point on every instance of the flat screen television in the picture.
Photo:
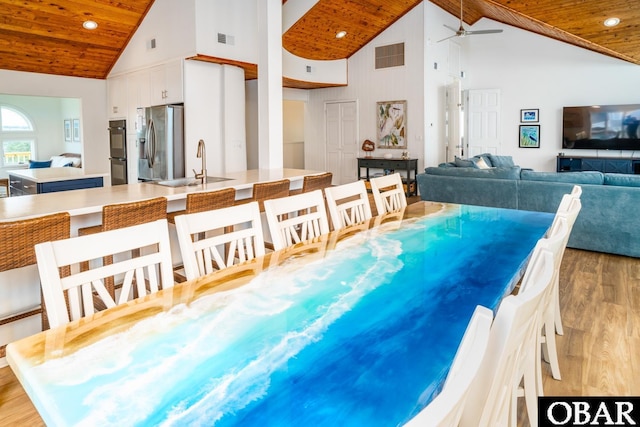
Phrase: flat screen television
(601, 127)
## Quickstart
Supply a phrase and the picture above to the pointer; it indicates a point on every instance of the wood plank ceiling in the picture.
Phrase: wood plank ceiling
(47, 36)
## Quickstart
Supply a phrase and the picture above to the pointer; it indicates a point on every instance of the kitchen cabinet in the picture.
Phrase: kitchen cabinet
(138, 96)
(117, 97)
(166, 83)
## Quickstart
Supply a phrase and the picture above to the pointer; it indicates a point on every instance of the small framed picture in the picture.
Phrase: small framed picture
(529, 136)
(76, 130)
(529, 116)
(67, 130)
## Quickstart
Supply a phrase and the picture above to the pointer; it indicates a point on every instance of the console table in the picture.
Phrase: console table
(602, 164)
(408, 165)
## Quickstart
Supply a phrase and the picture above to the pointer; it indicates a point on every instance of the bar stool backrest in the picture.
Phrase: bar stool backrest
(19, 238)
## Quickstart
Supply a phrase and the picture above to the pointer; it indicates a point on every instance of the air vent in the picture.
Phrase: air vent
(225, 39)
(390, 56)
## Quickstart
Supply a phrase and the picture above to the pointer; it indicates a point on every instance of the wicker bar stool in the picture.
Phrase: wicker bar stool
(264, 191)
(316, 182)
(4, 182)
(206, 201)
(125, 215)
(19, 238)
(269, 190)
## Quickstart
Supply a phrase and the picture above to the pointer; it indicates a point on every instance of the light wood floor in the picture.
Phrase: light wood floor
(599, 352)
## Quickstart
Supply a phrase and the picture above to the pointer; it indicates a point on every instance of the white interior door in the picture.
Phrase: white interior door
(453, 94)
(341, 132)
(483, 121)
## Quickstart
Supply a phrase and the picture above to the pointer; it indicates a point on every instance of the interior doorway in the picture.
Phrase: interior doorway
(293, 134)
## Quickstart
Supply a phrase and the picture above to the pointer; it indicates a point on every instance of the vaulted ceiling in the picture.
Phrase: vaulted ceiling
(47, 36)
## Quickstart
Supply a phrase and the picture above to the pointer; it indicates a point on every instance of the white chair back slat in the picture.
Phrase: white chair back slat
(231, 235)
(569, 209)
(446, 408)
(296, 218)
(348, 204)
(82, 287)
(388, 193)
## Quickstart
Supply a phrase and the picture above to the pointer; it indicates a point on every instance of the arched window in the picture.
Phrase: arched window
(17, 137)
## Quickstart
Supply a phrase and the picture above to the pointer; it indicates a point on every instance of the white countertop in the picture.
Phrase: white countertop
(89, 201)
(41, 175)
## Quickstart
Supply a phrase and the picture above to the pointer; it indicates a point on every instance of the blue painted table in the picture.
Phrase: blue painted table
(356, 328)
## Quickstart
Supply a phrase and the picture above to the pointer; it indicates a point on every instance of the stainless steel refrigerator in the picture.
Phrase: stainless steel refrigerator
(118, 151)
(161, 144)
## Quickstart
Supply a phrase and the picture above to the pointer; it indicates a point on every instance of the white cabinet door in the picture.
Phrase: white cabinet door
(117, 97)
(173, 83)
(138, 96)
(166, 83)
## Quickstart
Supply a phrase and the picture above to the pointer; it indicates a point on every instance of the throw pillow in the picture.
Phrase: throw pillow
(34, 164)
(481, 164)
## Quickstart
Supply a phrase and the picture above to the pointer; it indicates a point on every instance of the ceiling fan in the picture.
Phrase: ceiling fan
(461, 32)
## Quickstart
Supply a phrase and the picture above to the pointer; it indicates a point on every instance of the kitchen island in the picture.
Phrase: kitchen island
(22, 288)
(48, 180)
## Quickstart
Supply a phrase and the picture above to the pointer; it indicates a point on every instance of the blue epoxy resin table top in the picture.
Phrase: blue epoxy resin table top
(355, 329)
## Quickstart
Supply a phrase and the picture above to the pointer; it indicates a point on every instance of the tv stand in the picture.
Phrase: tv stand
(629, 165)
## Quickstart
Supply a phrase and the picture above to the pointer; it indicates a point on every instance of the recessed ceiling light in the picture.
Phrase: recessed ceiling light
(341, 34)
(90, 25)
(611, 22)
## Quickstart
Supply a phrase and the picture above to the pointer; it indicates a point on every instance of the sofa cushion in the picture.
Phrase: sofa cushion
(622, 179)
(34, 164)
(481, 163)
(470, 172)
(501, 161)
(464, 163)
(589, 177)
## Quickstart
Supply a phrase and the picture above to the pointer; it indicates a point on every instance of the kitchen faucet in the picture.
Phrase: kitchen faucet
(202, 154)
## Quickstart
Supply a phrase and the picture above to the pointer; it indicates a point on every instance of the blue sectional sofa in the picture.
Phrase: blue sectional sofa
(607, 222)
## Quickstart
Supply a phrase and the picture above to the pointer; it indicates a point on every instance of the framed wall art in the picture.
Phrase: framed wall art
(529, 136)
(76, 130)
(529, 116)
(67, 130)
(392, 124)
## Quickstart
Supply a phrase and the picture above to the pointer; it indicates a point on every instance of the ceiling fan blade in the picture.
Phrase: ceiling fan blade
(451, 28)
(447, 38)
(483, 32)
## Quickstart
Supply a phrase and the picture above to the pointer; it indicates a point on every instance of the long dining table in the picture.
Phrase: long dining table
(357, 327)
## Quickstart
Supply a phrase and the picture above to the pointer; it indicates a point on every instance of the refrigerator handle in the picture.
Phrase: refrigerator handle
(151, 143)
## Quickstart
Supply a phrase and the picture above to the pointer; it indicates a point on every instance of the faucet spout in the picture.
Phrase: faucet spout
(202, 154)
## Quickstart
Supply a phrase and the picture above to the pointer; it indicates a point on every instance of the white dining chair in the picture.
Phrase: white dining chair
(148, 272)
(388, 193)
(296, 218)
(569, 207)
(446, 408)
(348, 204)
(555, 243)
(509, 360)
(228, 236)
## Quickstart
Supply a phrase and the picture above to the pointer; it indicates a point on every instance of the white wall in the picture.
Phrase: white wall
(93, 98)
(368, 86)
(172, 25)
(537, 72)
